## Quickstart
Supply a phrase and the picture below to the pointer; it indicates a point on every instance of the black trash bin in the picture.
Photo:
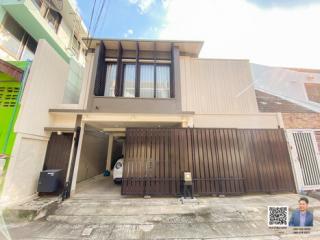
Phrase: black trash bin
(51, 181)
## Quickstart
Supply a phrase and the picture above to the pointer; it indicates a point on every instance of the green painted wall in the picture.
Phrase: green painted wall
(2, 13)
(6, 114)
(25, 13)
(9, 111)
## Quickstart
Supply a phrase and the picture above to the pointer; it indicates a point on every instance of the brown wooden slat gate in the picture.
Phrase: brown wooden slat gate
(222, 161)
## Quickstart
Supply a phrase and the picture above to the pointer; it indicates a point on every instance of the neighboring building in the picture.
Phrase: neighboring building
(295, 85)
(22, 25)
(166, 109)
(11, 78)
(295, 94)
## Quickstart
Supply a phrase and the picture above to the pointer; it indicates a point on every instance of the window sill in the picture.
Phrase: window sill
(134, 98)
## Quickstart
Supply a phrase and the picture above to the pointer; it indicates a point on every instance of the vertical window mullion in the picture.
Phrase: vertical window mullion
(137, 75)
(155, 80)
(22, 45)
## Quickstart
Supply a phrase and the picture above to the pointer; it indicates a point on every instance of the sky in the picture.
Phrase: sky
(282, 33)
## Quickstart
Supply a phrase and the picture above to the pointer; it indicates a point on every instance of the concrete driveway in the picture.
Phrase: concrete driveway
(89, 216)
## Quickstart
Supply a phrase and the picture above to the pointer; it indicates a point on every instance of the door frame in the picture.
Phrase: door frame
(298, 176)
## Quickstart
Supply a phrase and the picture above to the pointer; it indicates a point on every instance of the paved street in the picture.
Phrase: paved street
(111, 217)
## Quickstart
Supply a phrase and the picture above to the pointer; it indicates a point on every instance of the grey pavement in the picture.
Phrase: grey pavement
(90, 215)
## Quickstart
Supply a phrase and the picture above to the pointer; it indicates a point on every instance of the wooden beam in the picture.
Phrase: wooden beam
(155, 70)
(119, 78)
(172, 71)
(137, 76)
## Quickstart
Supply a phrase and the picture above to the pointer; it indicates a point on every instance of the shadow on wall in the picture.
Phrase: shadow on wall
(93, 154)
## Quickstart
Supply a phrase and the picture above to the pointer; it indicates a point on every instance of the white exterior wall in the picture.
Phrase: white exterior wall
(217, 86)
(263, 120)
(221, 94)
(26, 162)
(44, 89)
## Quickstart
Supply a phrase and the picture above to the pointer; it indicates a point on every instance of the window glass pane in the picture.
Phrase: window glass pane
(163, 81)
(110, 79)
(27, 55)
(76, 46)
(38, 3)
(54, 19)
(31, 44)
(11, 36)
(29, 49)
(129, 80)
(147, 81)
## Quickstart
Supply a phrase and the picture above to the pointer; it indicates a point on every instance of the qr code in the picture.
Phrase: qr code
(278, 216)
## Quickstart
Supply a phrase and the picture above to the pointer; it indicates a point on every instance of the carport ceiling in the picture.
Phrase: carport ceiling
(103, 125)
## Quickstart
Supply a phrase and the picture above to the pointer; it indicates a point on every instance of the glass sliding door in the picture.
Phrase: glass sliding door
(110, 79)
(147, 81)
(129, 80)
(163, 81)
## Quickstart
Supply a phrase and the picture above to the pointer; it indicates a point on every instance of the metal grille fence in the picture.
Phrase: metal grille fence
(222, 161)
(307, 158)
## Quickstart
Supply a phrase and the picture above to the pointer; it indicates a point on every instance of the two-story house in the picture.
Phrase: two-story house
(168, 112)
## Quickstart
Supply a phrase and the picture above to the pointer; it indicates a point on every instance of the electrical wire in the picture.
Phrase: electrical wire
(91, 18)
(98, 18)
(105, 15)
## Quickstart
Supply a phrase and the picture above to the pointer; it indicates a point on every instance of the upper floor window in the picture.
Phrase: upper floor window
(16, 41)
(54, 19)
(153, 82)
(76, 46)
(147, 80)
(163, 81)
(129, 80)
(38, 3)
(110, 79)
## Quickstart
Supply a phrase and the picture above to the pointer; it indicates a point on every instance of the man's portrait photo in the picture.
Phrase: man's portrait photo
(301, 217)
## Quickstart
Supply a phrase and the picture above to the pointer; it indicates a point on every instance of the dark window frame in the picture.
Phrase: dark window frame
(44, 11)
(138, 80)
(57, 21)
(23, 42)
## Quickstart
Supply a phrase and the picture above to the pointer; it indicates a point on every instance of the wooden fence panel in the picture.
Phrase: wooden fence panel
(222, 161)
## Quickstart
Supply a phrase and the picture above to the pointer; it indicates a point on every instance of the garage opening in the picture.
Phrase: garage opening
(100, 151)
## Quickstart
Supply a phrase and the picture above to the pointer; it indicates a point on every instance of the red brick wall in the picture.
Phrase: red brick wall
(317, 133)
(313, 91)
(301, 120)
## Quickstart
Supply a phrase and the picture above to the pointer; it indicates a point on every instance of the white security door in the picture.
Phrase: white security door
(305, 158)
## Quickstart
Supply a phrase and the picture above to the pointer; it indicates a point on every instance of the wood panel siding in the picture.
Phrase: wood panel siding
(222, 161)
(58, 152)
(217, 86)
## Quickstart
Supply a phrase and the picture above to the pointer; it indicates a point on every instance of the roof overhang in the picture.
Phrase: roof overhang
(191, 48)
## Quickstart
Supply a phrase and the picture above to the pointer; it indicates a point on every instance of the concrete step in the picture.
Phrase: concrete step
(34, 209)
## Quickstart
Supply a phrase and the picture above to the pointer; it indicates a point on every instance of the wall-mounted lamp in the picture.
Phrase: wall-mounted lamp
(59, 133)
